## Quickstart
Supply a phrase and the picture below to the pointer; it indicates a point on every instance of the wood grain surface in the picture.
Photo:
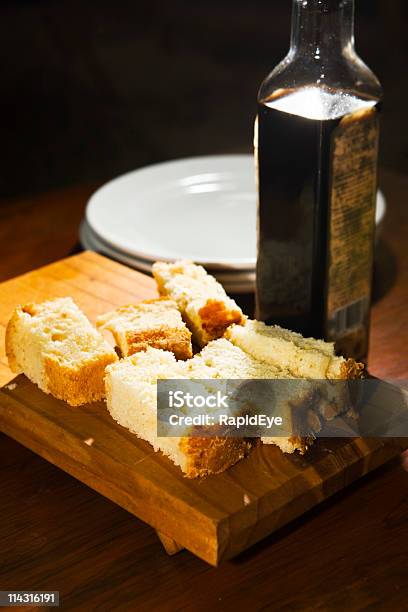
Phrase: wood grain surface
(215, 518)
(349, 552)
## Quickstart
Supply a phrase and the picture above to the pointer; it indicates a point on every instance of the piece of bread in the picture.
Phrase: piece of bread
(231, 362)
(156, 323)
(131, 393)
(56, 347)
(132, 401)
(305, 358)
(302, 357)
(202, 301)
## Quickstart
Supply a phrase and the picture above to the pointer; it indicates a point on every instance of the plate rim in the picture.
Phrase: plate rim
(99, 243)
(238, 286)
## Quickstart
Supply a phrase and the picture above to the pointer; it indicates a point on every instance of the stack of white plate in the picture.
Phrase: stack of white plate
(201, 208)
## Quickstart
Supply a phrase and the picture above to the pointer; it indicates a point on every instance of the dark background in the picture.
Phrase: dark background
(92, 89)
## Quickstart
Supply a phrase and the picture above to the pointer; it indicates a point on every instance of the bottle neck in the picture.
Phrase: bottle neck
(322, 28)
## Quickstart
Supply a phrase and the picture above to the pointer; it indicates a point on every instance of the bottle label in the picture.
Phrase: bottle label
(353, 186)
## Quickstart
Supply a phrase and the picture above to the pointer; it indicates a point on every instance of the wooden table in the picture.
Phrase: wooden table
(349, 553)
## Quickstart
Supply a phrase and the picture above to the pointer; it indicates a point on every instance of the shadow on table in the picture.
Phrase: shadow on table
(274, 538)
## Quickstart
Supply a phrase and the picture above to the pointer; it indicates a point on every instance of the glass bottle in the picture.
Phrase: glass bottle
(316, 149)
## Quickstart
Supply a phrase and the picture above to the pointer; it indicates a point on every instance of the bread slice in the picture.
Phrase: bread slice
(131, 398)
(156, 323)
(231, 362)
(131, 392)
(56, 347)
(202, 301)
(305, 358)
(302, 357)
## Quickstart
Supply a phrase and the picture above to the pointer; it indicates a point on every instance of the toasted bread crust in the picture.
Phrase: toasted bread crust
(175, 340)
(156, 322)
(215, 318)
(300, 444)
(212, 455)
(160, 282)
(9, 341)
(352, 369)
(152, 300)
(290, 445)
(203, 302)
(79, 386)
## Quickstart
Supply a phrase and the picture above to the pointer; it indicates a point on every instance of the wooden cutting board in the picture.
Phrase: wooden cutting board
(215, 518)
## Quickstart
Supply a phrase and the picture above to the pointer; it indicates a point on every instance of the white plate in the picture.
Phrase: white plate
(200, 208)
(238, 283)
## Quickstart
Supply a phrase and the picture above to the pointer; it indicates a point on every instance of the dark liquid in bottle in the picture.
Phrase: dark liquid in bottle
(295, 172)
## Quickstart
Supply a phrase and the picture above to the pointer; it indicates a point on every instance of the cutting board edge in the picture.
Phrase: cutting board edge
(204, 547)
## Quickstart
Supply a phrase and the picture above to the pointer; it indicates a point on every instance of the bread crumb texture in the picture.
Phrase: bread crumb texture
(302, 357)
(201, 299)
(131, 391)
(156, 323)
(55, 346)
(252, 351)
